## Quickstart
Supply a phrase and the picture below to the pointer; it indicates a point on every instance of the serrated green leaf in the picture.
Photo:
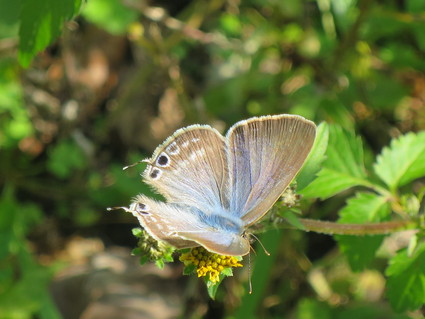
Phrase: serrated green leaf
(330, 182)
(343, 168)
(364, 208)
(403, 161)
(41, 23)
(406, 282)
(315, 158)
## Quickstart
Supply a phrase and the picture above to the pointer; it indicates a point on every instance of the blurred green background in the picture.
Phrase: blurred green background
(123, 76)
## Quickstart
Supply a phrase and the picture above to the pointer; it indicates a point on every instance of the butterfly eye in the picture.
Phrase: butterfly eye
(163, 160)
(155, 174)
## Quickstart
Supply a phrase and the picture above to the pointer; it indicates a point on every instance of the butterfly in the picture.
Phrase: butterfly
(217, 186)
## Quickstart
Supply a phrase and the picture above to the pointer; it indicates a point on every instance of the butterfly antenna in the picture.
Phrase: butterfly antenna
(134, 164)
(118, 207)
(249, 273)
(264, 248)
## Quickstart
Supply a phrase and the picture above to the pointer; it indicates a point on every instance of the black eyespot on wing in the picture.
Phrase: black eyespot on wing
(162, 160)
(142, 208)
(155, 173)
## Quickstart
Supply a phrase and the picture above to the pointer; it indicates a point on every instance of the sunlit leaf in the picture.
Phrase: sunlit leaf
(403, 161)
(343, 167)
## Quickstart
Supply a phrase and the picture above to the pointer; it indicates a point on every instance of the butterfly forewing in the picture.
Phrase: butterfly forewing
(191, 167)
(265, 154)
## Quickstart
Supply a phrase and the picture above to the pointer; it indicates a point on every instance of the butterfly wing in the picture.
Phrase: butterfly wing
(190, 167)
(162, 221)
(265, 154)
(221, 243)
(183, 227)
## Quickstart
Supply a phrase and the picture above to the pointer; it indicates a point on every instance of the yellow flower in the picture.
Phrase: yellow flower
(208, 263)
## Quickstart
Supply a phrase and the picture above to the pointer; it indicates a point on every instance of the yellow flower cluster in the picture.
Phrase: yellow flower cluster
(208, 263)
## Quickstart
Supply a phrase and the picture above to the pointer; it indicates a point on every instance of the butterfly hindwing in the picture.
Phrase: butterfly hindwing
(265, 154)
(185, 227)
(162, 220)
(222, 243)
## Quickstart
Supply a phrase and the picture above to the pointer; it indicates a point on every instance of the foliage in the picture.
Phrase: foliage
(15, 123)
(24, 283)
(111, 15)
(41, 23)
(396, 165)
(122, 76)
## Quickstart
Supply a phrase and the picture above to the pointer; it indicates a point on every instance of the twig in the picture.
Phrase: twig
(333, 228)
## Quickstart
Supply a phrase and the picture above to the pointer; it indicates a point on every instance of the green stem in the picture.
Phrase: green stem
(333, 228)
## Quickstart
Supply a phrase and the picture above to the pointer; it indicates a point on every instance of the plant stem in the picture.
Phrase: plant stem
(333, 228)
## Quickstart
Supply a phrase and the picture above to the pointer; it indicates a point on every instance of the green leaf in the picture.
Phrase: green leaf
(160, 263)
(364, 208)
(143, 259)
(189, 269)
(228, 272)
(137, 232)
(41, 23)
(403, 161)
(111, 15)
(406, 282)
(343, 168)
(212, 287)
(314, 160)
